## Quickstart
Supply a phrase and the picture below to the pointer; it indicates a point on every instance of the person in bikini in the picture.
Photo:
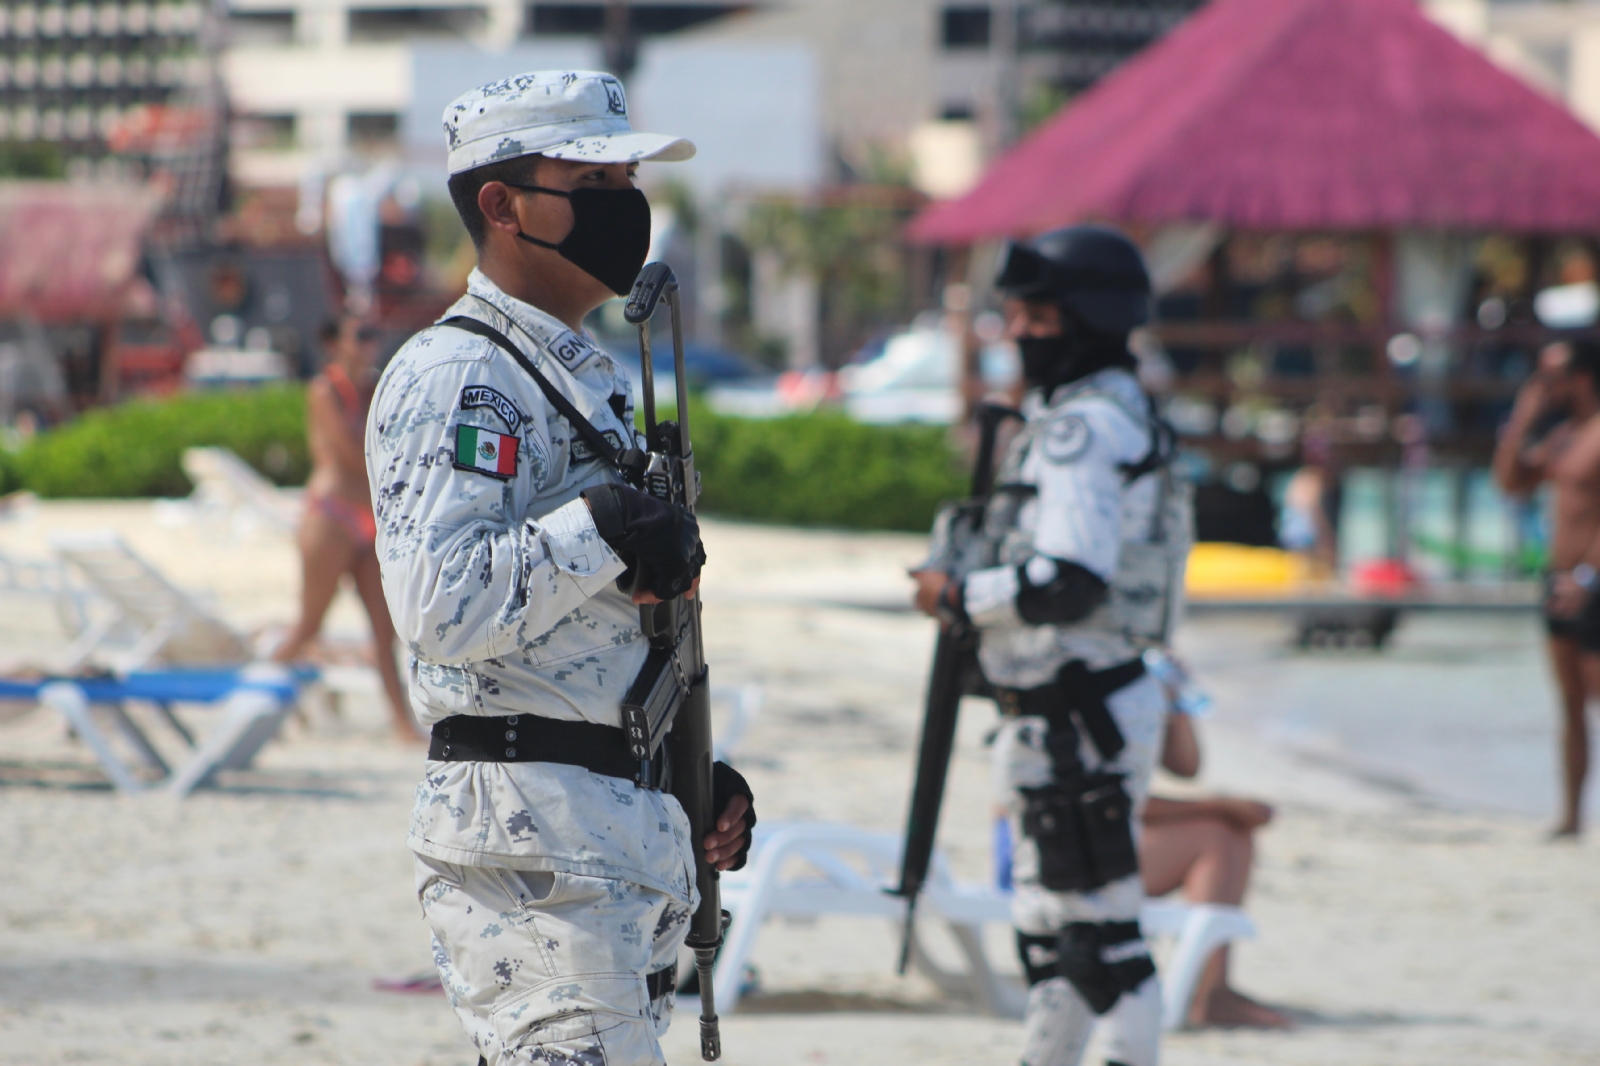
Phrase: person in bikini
(337, 530)
(1565, 390)
(1204, 847)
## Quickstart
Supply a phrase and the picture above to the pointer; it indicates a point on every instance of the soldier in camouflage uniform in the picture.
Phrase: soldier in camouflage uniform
(557, 890)
(1081, 495)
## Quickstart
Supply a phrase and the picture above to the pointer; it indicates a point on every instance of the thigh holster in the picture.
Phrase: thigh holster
(1100, 960)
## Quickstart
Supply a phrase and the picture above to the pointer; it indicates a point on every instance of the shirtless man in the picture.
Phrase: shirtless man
(1567, 381)
(337, 530)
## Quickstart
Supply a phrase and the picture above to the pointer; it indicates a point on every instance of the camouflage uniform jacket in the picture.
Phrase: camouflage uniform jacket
(1063, 495)
(506, 596)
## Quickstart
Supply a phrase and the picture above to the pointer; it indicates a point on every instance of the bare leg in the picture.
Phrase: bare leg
(1210, 858)
(325, 554)
(369, 584)
(1576, 674)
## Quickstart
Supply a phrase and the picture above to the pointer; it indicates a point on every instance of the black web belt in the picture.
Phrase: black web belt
(1081, 690)
(599, 749)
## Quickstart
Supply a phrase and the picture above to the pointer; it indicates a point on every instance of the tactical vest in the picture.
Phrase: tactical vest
(1146, 593)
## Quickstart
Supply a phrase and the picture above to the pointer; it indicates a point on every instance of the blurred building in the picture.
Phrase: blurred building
(1552, 44)
(322, 84)
(72, 73)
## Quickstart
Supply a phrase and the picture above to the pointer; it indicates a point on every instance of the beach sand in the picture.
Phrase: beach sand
(1400, 920)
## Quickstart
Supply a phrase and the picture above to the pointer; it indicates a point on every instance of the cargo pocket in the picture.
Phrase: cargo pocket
(576, 1019)
(444, 690)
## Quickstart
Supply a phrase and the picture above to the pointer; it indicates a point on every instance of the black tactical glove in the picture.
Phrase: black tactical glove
(726, 783)
(659, 541)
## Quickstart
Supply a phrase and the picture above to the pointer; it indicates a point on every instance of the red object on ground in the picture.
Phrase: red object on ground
(1383, 577)
(1295, 115)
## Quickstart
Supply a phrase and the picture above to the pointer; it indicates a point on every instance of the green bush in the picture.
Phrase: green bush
(824, 470)
(134, 449)
(811, 470)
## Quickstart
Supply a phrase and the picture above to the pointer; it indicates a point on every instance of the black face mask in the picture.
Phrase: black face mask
(610, 235)
(1050, 362)
(1043, 359)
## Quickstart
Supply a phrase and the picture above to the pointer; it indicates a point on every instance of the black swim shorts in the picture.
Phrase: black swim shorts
(1584, 627)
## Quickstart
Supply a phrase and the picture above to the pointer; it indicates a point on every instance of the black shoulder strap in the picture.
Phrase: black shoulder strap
(1163, 443)
(580, 425)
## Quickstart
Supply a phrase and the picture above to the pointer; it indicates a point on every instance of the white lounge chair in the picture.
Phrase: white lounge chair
(45, 579)
(144, 618)
(226, 484)
(745, 705)
(811, 869)
(255, 701)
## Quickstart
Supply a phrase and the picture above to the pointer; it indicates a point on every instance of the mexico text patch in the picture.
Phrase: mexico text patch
(484, 396)
(486, 452)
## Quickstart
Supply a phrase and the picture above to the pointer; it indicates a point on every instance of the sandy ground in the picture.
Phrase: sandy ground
(1400, 922)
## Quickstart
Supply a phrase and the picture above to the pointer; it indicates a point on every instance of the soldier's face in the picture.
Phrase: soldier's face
(550, 218)
(1027, 318)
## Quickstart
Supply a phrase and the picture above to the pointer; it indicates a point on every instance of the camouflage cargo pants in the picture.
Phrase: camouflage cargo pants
(548, 968)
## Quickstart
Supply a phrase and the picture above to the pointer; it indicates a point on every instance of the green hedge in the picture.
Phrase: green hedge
(824, 470)
(812, 470)
(134, 449)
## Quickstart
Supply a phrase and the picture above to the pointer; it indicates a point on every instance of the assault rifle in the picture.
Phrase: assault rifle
(669, 702)
(955, 673)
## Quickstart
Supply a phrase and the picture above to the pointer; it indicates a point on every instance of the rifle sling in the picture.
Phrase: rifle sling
(1077, 688)
(580, 425)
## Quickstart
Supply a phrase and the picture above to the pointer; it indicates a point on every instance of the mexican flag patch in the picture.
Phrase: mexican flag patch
(486, 451)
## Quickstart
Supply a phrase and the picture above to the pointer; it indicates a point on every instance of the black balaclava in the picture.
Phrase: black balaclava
(1078, 351)
(610, 236)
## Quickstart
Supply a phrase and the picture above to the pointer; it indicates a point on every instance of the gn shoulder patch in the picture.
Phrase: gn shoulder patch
(484, 451)
(483, 396)
(582, 452)
(1066, 439)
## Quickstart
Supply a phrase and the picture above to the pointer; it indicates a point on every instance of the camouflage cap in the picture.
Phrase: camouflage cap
(565, 114)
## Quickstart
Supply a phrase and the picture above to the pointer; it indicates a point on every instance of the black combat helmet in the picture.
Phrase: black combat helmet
(1094, 272)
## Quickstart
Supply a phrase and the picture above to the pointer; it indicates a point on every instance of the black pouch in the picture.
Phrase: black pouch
(1084, 832)
(1051, 817)
(1107, 813)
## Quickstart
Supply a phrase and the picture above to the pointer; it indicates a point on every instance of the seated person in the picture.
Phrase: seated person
(1205, 847)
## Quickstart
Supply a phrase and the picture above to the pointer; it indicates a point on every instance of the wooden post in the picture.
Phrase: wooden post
(109, 369)
(1383, 284)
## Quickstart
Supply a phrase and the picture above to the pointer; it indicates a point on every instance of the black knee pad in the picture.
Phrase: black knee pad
(1100, 960)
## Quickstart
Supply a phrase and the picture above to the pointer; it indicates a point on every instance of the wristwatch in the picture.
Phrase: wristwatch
(1586, 577)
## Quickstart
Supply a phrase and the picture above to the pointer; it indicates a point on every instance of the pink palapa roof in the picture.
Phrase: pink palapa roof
(1296, 115)
(69, 252)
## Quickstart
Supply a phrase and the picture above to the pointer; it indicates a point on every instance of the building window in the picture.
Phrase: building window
(257, 28)
(577, 19)
(400, 23)
(374, 130)
(263, 132)
(966, 27)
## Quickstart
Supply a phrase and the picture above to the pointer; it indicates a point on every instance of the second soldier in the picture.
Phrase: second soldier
(1082, 546)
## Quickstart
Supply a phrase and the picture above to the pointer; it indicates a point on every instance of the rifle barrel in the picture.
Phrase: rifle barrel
(680, 380)
(647, 380)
